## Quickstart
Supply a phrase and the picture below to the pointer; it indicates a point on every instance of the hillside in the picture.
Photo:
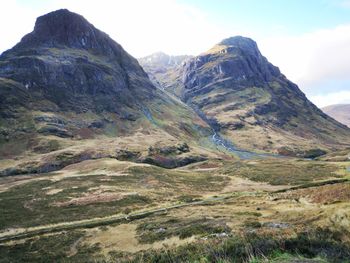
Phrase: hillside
(339, 112)
(97, 164)
(251, 103)
(68, 86)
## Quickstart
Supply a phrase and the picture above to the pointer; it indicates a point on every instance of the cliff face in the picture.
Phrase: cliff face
(235, 67)
(70, 80)
(165, 71)
(69, 62)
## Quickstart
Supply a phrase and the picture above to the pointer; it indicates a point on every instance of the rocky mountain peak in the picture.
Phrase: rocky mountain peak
(62, 28)
(241, 43)
(70, 80)
(237, 58)
(161, 58)
(66, 59)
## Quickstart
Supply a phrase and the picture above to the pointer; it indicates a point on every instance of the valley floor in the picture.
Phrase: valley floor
(105, 210)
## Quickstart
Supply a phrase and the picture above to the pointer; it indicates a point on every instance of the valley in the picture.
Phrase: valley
(209, 158)
(167, 209)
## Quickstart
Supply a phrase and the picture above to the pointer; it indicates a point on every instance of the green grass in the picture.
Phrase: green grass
(278, 257)
(282, 172)
(155, 230)
(179, 179)
(320, 244)
(53, 248)
(249, 213)
(29, 205)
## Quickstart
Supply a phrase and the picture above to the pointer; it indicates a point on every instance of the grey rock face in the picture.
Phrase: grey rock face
(237, 65)
(66, 69)
(239, 61)
(164, 70)
(63, 28)
(69, 62)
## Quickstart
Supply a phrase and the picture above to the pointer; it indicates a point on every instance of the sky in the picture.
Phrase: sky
(309, 40)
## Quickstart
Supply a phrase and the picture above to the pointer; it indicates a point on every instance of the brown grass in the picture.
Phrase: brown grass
(322, 195)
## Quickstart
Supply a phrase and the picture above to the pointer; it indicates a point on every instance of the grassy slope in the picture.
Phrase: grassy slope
(283, 222)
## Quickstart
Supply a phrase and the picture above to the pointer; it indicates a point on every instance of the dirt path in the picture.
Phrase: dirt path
(74, 247)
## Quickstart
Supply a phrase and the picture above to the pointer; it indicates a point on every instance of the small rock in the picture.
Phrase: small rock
(276, 225)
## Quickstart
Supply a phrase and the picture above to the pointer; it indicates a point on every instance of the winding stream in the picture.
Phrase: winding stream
(223, 143)
(216, 138)
(242, 154)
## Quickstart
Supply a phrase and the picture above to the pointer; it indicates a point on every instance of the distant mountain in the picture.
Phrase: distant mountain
(339, 112)
(67, 79)
(164, 70)
(251, 103)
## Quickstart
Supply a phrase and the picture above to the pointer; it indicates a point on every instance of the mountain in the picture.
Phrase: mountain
(164, 70)
(252, 104)
(339, 112)
(68, 84)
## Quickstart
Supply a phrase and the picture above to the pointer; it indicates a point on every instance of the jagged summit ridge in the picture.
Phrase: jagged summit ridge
(237, 58)
(239, 41)
(63, 28)
(69, 62)
(241, 45)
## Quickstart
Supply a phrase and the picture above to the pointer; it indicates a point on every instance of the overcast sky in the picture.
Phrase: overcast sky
(308, 40)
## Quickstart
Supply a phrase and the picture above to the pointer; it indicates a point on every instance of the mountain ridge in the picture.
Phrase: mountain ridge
(164, 69)
(244, 96)
(340, 112)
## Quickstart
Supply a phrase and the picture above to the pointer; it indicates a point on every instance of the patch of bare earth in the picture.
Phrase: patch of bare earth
(54, 191)
(238, 184)
(92, 198)
(74, 248)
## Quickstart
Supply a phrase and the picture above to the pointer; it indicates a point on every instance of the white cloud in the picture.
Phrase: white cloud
(323, 100)
(345, 3)
(314, 58)
(13, 27)
(144, 27)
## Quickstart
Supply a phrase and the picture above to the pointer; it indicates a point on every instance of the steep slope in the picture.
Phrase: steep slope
(339, 112)
(165, 70)
(251, 103)
(67, 82)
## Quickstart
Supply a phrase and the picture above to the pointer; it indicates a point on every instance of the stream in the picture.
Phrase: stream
(216, 138)
(242, 154)
(226, 144)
